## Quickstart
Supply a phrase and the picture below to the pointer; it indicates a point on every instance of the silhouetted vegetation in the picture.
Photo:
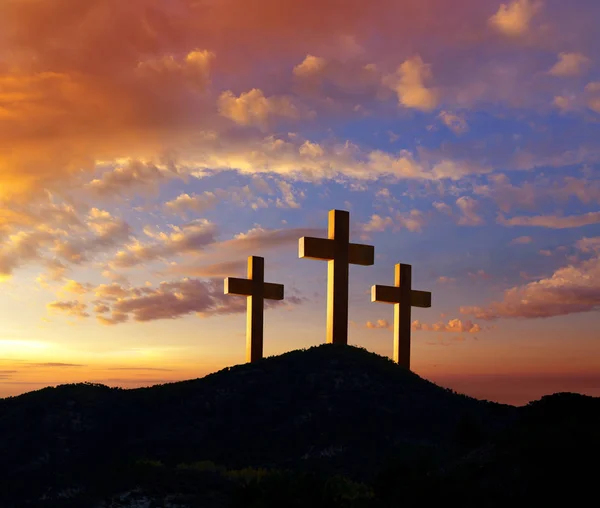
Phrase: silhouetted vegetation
(331, 426)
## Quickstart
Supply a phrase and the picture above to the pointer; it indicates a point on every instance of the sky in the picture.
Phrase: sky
(148, 147)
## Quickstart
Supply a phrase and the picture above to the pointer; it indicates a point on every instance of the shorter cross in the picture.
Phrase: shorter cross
(404, 298)
(257, 290)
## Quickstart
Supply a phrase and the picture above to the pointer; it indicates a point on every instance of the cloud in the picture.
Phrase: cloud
(409, 83)
(239, 196)
(289, 197)
(140, 368)
(413, 221)
(258, 239)
(55, 364)
(514, 19)
(175, 299)
(530, 195)
(310, 66)
(75, 287)
(253, 108)
(194, 68)
(570, 64)
(469, 207)
(452, 326)
(446, 280)
(589, 244)
(593, 96)
(115, 318)
(479, 275)
(442, 208)
(104, 233)
(196, 202)
(71, 308)
(380, 324)
(454, 122)
(570, 290)
(189, 238)
(84, 103)
(134, 175)
(340, 83)
(223, 269)
(552, 221)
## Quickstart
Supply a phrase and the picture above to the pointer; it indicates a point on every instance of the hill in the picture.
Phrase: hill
(298, 421)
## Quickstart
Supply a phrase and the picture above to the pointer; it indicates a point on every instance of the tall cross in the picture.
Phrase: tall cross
(404, 298)
(257, 290)
(340, 253)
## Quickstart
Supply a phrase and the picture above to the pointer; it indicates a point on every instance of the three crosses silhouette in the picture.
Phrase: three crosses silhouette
(339, 254)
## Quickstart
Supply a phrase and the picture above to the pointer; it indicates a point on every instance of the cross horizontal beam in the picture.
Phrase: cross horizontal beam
(244, 287)
(324, 249)
(392, 294)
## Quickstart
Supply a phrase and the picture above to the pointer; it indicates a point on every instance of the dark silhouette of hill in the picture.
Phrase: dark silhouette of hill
(309, 416)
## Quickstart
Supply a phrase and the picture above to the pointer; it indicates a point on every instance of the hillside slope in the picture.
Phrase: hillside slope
(329, 409)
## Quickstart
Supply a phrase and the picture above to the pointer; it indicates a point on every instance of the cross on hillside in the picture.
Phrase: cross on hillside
(257, 290)
(339, 253)
(404, 298)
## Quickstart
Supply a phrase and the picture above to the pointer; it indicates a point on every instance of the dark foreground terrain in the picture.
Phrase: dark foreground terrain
(330, 426)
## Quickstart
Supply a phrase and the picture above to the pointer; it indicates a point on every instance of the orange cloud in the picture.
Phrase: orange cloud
(409, 83)
(452, 326)
(253, 108)
(514, 19)
(380, 324)
(71, 308)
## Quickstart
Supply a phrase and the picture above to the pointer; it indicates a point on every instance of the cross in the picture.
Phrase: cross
(339, 253)
(257, 290)
(404, 298)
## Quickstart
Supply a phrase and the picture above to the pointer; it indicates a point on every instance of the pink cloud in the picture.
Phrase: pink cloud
(552, 221)
(570, 290)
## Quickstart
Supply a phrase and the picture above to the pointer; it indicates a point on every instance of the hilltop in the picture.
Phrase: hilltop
(316, 413)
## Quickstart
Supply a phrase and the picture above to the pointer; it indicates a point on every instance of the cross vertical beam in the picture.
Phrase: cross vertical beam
(338, 270)
(255, 309)
(403, 297)
(339, 253)
(256, 290)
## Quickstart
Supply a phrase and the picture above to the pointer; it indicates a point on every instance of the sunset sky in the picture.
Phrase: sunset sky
(147, 147)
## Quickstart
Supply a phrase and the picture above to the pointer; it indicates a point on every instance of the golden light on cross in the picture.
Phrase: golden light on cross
(404, 298)
(340, 254)
(256, 290)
